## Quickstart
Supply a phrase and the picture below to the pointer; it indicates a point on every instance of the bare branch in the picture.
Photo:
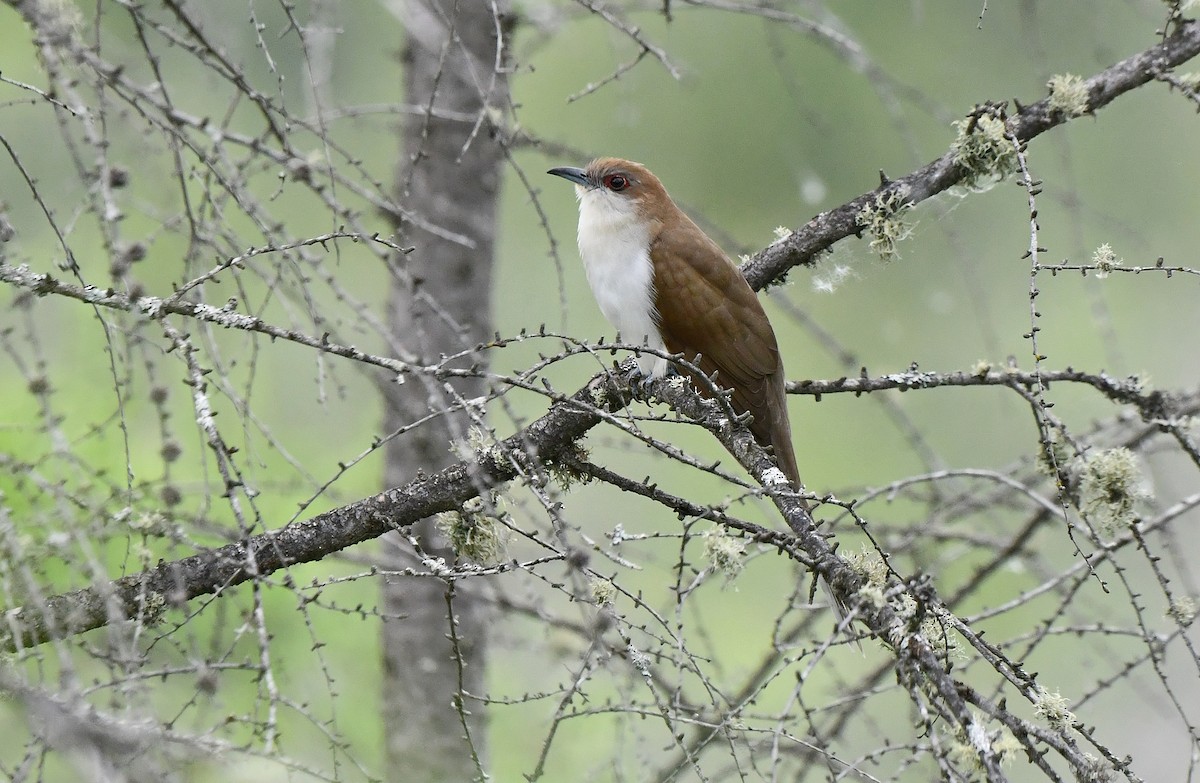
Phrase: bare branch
(820, 233)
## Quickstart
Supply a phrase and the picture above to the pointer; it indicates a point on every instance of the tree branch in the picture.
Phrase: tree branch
(805, 244)
(174, 583)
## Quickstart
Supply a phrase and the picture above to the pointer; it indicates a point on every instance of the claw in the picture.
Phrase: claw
(640, 380)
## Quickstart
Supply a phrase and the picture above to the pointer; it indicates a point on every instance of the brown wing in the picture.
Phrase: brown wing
(706, 307)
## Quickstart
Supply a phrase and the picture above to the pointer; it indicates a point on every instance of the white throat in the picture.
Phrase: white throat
(614, 244)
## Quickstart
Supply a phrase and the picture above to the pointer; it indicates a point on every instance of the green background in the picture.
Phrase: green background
(766, 127)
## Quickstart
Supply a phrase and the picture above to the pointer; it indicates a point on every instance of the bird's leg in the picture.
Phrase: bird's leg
(639, 380)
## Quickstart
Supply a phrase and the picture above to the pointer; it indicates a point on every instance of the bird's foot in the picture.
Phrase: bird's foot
(639, 380)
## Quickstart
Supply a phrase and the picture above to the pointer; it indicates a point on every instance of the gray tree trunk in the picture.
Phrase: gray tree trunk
(449, 177)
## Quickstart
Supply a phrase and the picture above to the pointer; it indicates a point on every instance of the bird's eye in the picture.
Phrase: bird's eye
(616, 182)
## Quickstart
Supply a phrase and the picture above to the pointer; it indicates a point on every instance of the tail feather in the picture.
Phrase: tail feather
(841, 612)
(777, 430)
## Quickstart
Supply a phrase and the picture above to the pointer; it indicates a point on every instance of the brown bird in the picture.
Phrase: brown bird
(657, 277)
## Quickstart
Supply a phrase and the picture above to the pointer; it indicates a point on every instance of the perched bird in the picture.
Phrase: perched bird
(657, 277)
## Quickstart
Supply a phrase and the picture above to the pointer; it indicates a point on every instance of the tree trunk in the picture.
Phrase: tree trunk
(450, 178)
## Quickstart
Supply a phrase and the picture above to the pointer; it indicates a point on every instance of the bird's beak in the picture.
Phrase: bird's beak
(578, 176)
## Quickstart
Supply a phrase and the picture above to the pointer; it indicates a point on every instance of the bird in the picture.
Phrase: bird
(658, 277)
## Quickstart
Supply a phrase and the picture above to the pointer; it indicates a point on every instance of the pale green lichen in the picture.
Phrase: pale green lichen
(677, 383)
(942, 639)
(471, 532)
(883, 219)
(725, 554)
(148, 523)
(873, 595)
(872, 568)
(868, 564)
(1052, 708)
(1183, 610)
(563, 469)
(1068, 94)
(1105, 261)
(984, 149)
(963, 754)
(905, 607)
(1006, 746)
(478, 441)
(603, 592)
(981, 368)
(967, 746)
(153, 608)
(1112, 484)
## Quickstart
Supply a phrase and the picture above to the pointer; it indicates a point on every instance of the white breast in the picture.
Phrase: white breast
(615, 247)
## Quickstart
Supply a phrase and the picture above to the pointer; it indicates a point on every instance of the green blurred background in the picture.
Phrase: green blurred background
(767, 126)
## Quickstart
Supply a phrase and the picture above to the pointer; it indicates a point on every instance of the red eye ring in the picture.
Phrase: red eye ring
(616, 182)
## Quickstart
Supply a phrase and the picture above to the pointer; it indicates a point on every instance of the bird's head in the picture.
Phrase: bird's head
(618, 190)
